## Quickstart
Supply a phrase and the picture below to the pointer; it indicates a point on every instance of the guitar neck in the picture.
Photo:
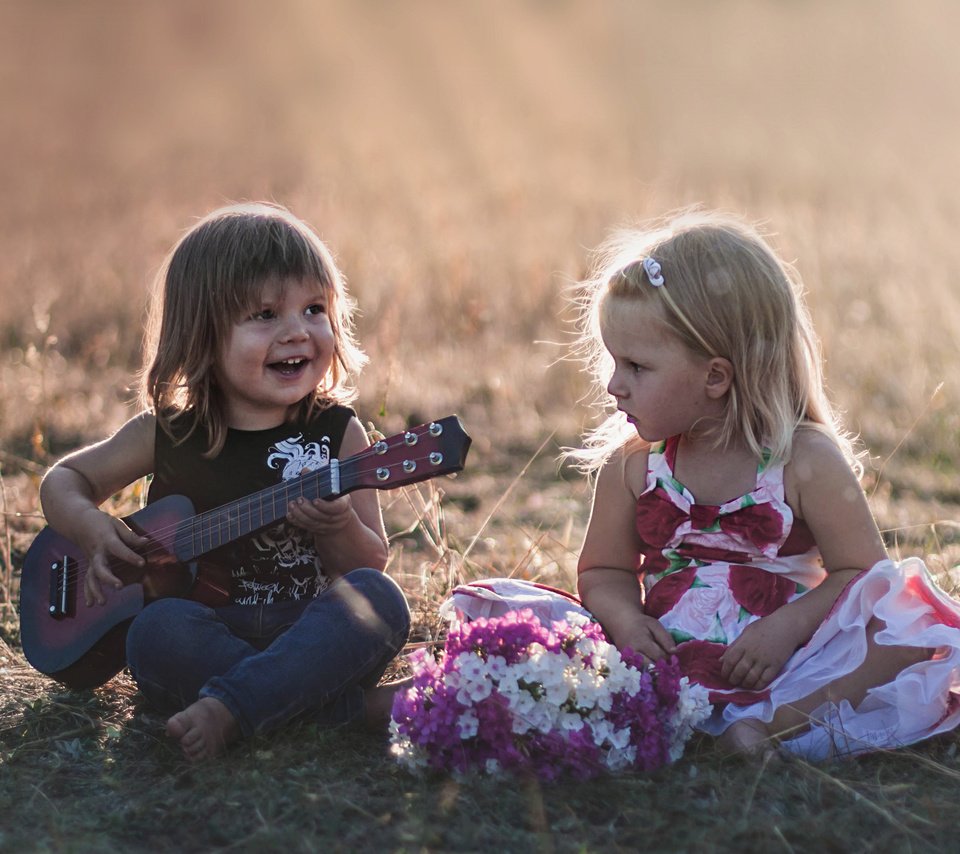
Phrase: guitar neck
(420, 453)
(225, 524)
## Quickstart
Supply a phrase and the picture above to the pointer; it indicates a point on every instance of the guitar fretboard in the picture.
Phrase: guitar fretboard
(215, 528)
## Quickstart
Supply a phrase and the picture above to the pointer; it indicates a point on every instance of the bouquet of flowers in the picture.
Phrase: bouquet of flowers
(512, 694)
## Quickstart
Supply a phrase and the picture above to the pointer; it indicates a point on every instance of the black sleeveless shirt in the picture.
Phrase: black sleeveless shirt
(278, 563)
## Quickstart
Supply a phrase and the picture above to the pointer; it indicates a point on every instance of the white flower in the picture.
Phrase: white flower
(556, 692)
(541, 717)
(468, 724)
(693, 707)
(473, 683)
(617, 760)
(545, 692)
(620, 738)
(403, 749)
(591, 694)
(535, 650)
(588, 648)
(471, 667)
(497, 667)
(474, 692)
(521, 703)
(509, 689)
(520, 725)
(602, 730)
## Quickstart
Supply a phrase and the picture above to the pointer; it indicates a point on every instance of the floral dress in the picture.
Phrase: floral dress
(708, 571)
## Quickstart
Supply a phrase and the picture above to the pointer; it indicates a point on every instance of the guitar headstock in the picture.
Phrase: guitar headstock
(420, 453)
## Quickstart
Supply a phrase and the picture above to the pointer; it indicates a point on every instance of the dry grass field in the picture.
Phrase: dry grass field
(461, 159)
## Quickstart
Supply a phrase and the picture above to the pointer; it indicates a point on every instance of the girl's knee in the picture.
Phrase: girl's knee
(377, 586)
(367, 577)
(382, 595)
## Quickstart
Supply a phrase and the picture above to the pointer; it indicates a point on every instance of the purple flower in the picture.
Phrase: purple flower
(509, 694)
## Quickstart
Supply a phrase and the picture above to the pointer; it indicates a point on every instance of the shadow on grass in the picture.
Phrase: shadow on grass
(93, 771)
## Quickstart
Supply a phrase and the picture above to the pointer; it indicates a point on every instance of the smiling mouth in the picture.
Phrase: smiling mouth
(289, 367)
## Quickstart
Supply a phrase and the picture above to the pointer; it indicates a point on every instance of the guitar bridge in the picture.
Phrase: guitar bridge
(62, 588)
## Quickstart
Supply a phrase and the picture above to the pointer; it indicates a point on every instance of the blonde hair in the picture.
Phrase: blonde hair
(213, 276)
(725, 293)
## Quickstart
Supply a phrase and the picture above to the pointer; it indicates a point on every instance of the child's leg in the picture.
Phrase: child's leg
(340, 645)
(881, 664)
(175, 646)
(748, 736)
(204, 729)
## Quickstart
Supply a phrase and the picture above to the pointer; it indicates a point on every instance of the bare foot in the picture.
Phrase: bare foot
(379, 702)
(204, 729)
(749, 737)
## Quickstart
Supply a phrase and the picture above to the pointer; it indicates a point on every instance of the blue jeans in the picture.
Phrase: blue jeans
(269, 663)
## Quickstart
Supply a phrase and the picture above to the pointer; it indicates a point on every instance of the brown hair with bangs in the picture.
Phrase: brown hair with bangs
(213, 276)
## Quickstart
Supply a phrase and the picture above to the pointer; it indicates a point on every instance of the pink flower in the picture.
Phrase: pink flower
(700, 609)
(614, 713)
(658, 518)
(758, 523)
(703, 516)
(653, 562)
(758, 591)
(667, 592)
(799, 541)
(700, 660)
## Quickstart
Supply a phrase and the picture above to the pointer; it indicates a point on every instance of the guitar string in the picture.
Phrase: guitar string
(245, 514)
(321, 477)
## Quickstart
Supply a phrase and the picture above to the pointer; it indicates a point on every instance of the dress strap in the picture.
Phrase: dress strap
(770, 473)
(660, 459)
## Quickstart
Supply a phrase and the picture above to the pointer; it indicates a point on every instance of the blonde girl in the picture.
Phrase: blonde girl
(728, 525)
(250, 354)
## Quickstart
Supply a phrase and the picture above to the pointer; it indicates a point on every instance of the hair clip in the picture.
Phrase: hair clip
(653, 271)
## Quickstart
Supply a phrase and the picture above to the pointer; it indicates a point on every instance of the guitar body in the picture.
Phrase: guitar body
(84, 647)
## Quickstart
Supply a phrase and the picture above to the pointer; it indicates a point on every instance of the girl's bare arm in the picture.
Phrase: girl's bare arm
(75, 487)
(607, 580)
(822, 490)
(348, 532)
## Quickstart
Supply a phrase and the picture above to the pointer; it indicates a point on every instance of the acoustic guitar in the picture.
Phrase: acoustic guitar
(83, 647)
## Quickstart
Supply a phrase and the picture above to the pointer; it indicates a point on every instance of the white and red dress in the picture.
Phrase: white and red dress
(709, 571)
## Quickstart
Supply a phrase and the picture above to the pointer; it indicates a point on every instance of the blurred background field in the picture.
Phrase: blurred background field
(461, 159)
